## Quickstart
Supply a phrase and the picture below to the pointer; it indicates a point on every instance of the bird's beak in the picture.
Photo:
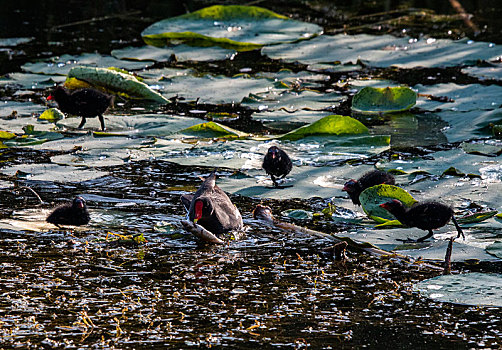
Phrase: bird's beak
(81, 205)
(50, 97)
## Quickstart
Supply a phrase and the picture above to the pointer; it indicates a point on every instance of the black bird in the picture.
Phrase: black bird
(211, 208)
(371, 178)
(74, 213)
(425, 216)
(277, 164)
(85, 103)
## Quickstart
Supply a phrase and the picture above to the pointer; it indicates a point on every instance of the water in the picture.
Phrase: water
(83, 288)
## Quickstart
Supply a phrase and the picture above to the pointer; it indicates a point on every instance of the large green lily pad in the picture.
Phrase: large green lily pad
(117, 82)
(478, 289)
(330, 125)
(212, 130)
(235, 27)
(372, 100)
(372, 197)
(384, 51)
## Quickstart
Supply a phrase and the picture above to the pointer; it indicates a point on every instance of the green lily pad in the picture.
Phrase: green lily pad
(297, 214)
(372, 100)
(116, 81)
(482, 148)
(330, 125)
(61, 65)
(476, 217)
(32, 137)
(290, 101)
(212, 130)
(384, 51)
(181, 52)
(495, 249)
(5, 135)
(484, 73)
(51, 115)
(372, 197)
(235, 27)
(479, 289)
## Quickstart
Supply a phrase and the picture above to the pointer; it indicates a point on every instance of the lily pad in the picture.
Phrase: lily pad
(479, 289)
(372, 100)
(330, 125)
(372, 197)
(290, 101)
(5, 135)
(61, 65)
(235, 27)
(181, 53)
(297, 214)
(482, 148)
(495, 249)
(212, 130)
(51, 115)
(384, 51)
(116, 81)
(477, 217)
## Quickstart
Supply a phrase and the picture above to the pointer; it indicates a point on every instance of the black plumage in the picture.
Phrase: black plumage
(74, 213)
(371, 178)
(277, 164)
(85, 103)
(425, 216)
(211, 208)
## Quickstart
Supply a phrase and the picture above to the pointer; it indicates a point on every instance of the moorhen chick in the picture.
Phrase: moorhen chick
(425, 216)
(277, 164)
(74, 213)
(370, 179)
(211, 208)
(85, 103)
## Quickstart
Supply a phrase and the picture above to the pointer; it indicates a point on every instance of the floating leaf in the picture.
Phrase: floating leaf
(297, 214)
(116, 81)
(495, 249)
(372, 197)
(330, 125)
(479, 289)
(52, 115)
(452, 171)
(476, 217)
(32, 137)
(180, 53)
(5, 135)
(371, 100)
(482, 149)
(235, 27)
(384, 51)
(213, 130)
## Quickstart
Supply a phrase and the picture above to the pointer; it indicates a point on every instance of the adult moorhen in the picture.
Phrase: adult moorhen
(211, 208)
(74, 213)
(425, 216)
(371, 178)
(277, 164)
(85, 103)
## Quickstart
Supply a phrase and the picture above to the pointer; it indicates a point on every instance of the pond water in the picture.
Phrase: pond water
(95, 286)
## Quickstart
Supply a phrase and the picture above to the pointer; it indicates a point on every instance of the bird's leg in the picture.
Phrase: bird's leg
(102, 121)
(421, 239)
(274, 181)
(82, 123)
(459, 229)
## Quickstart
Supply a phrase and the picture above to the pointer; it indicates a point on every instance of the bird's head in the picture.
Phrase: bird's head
(351, 186)
(202, 207)
(79, 202)
(273, 152)
(391, 205)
